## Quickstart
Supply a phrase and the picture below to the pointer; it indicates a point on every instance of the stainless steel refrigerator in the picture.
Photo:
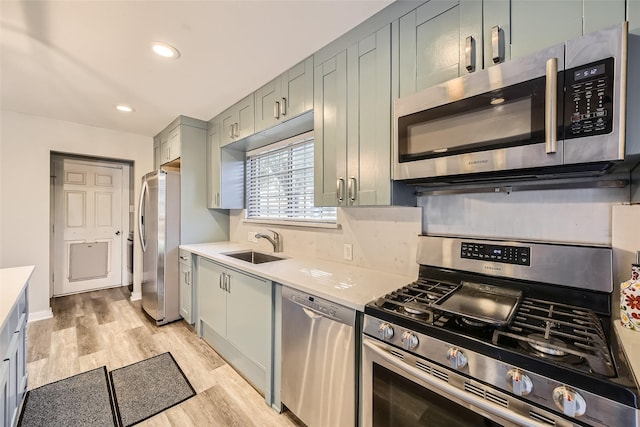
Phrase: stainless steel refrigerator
(159, 231)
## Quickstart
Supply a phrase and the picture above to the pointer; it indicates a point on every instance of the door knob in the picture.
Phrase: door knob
(118, 233)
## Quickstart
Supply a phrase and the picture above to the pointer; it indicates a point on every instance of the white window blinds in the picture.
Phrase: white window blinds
(280, 184)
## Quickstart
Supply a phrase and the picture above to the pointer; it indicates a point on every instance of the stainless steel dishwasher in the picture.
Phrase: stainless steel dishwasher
(318, 360)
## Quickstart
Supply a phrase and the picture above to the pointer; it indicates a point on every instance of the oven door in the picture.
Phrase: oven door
(396, 393)
(506, 117)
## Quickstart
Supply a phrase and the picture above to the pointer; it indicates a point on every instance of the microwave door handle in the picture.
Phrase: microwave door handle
(551, 107)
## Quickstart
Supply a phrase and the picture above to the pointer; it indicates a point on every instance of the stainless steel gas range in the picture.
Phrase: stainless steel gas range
(498, 333)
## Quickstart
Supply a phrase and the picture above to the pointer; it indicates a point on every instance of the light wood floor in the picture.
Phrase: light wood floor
(105, 328)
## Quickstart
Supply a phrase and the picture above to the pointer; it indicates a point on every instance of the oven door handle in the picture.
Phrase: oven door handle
(551, 106)
(440, 385)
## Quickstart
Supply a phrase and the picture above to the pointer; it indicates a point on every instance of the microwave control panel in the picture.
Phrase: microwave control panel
(588, 104)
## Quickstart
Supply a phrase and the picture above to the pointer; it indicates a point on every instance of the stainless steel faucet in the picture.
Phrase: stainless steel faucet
(276, 240)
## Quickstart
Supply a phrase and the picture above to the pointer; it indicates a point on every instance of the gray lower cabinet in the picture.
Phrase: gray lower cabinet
(13, 362)
(187, 290)
(236, 319)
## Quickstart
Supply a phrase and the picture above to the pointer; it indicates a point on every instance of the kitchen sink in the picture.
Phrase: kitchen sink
(253, 257)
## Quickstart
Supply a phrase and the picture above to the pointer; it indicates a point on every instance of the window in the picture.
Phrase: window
(280, 183)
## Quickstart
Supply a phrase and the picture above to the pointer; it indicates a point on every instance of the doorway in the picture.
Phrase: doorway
(90, 224)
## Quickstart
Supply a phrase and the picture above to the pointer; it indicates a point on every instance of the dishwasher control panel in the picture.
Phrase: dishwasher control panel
(320, 306)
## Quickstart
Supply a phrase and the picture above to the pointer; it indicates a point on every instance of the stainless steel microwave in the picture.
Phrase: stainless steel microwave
(559, 110)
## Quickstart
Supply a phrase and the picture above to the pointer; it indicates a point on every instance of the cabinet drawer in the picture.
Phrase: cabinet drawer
(185, 257)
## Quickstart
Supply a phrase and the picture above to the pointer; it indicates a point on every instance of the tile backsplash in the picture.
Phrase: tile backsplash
(383, 239)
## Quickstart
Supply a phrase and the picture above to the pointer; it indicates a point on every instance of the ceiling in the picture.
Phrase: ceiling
(76, 60)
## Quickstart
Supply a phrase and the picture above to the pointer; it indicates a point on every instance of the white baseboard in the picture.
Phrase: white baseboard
(40, 315)
(135, 296)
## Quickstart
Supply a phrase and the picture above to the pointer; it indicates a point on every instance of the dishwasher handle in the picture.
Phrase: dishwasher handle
(347, 317)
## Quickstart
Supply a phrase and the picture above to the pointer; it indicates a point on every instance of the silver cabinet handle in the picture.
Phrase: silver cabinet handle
(550, 106)
(497, 44)
(189, 278)
(218, 199)
(470, 54)
(352, 189)
(227, 285)
(221, 280)
(231, 130)
(276, 110)
(283, 107)
(236, 131)
(340, 189)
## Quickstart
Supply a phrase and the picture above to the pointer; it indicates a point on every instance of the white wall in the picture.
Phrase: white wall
(383, 239)
(26, 142)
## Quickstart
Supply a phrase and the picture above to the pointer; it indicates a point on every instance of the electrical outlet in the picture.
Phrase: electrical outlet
(252, 236)
(348, 251)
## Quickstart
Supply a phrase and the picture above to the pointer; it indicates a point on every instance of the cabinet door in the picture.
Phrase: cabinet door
(164, 148)
(174, 144)
(297, 90)
(157, 154)
(249, 316)
(4, 393)
(267, 108)
(246, 117)
(211, 297)
(228, 120)
(429, 45)
(633, 15)
(186, 294)
(369, 125)
(213, 165)
(603, 14)
(330, 127)
(538, 24)
(495, 13)
(14, 378)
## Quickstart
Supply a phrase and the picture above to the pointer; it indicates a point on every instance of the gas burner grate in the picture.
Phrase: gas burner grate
(561, 329)
(415, 300)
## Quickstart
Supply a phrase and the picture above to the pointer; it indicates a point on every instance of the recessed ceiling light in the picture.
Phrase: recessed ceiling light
(165, 50)
(124, 108)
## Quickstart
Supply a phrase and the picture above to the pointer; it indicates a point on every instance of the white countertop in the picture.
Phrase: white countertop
(12, 283)
(343, 284)
(630, 341)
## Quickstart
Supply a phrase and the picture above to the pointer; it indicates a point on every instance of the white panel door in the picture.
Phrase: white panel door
(88, 227)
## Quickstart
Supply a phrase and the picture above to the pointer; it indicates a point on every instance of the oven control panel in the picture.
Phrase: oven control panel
(520, 255)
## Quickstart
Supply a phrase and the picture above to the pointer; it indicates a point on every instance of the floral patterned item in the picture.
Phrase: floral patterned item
(630, 304)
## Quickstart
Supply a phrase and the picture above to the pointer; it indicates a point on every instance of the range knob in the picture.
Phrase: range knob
(385, 331)
(519, 382)
(409, 340)
(569, 401)
(456, 358)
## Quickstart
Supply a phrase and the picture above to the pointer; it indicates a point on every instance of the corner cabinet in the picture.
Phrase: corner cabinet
(285, 97)
(352, 124)
(236, 319)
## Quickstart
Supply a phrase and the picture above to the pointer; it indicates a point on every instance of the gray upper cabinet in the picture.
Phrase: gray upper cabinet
(157, 156)
(537, 24)
(225, 171)
(285, 97)
(369, 126)
(429, 45)
(237, 121)
(330, 128)
(633, 16)
(352, 115)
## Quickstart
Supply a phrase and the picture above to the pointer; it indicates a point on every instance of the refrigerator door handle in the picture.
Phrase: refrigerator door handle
(141, 230)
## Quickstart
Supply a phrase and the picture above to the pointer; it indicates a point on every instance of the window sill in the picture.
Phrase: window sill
(306, 224)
